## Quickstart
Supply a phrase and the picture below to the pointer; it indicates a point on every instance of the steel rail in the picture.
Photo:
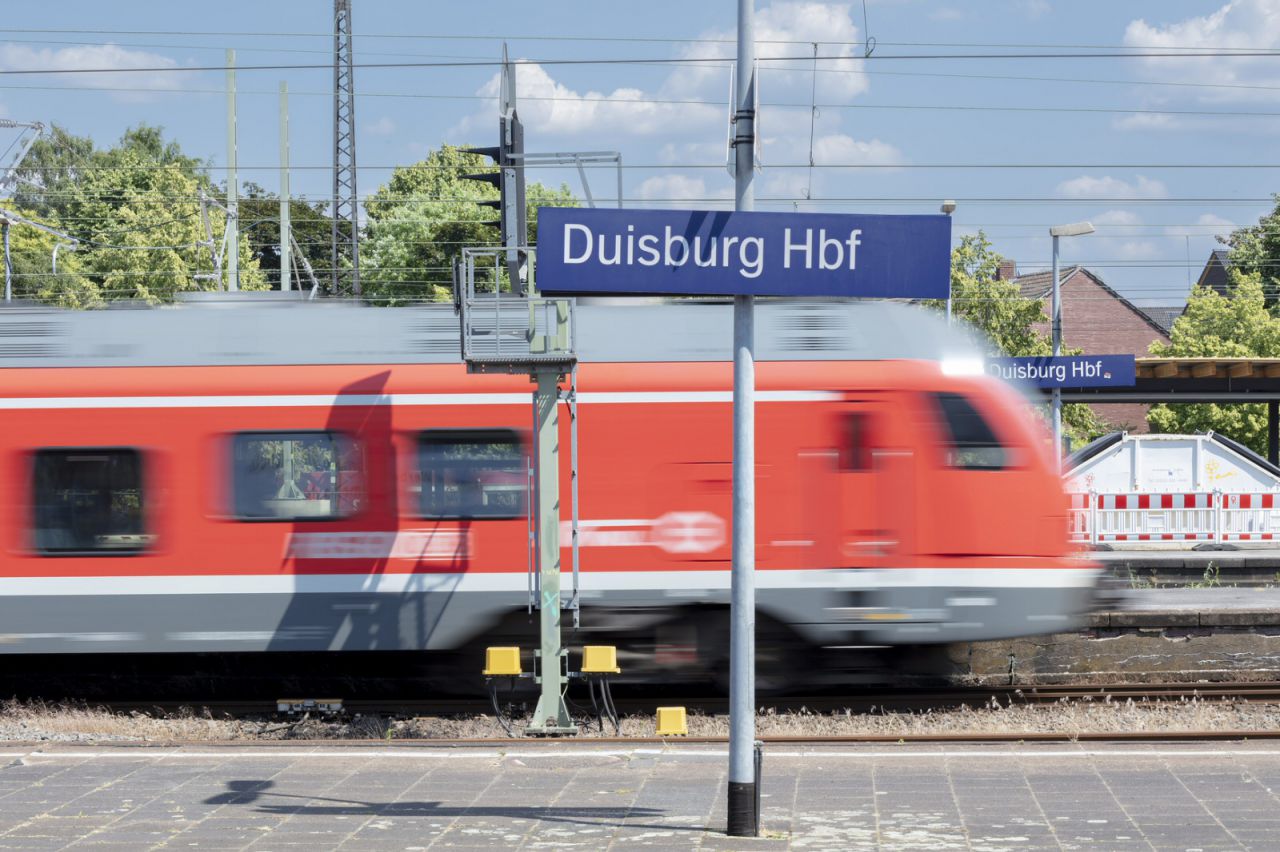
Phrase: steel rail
(816, 704)
(588, 742)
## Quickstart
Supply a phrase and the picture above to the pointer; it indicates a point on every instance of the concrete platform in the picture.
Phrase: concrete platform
(1160, 635)
(1244, 565)
(565, 796)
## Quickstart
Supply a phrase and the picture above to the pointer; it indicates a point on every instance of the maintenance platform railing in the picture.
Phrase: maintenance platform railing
(508, 328)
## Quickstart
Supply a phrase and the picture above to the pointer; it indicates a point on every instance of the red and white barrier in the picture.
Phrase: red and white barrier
(1178, 517)
(1250, 517)
(1079, 517)
(1154, 517)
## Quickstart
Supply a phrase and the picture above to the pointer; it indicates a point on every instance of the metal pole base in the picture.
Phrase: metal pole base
(551, 718)
(744, 813)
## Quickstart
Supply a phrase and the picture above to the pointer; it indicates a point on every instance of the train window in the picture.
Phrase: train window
(971, 444)
(295, 476)
(472, 473)
(855, 442)
(89, 501)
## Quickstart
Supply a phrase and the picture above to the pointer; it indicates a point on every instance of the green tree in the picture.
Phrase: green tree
(31, 251)
(135, 209)
(1236, 326)
(995, 306)
(1255, 251)
(1007, 318)
(312, 230)
(425, 215)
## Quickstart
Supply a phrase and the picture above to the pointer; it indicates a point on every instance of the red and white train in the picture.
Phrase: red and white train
(268, 476)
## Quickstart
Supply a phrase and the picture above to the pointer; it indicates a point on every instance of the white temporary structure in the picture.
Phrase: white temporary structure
(1175, 490)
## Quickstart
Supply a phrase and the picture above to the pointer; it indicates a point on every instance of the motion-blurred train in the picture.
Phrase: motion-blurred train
(274, 475)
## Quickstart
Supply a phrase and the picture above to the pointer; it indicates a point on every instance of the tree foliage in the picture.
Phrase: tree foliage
(312, 230)
(135, 210)
(1255, 252)
(995, 306)
(32, 251)
(421, 219)
(1236, 326)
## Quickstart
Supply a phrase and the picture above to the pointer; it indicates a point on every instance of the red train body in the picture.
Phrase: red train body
(897, 505)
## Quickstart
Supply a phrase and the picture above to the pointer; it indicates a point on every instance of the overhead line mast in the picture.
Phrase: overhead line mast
(346, 205)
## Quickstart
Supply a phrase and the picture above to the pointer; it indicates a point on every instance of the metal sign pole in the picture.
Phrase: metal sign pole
(743, 813)
(1056, 329)
(551, 715)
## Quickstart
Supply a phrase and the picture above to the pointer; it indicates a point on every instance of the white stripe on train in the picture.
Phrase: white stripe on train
(674, 582)
(356, 399)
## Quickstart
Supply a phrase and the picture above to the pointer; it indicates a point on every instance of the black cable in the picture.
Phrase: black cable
(492, 685)
(607, 690)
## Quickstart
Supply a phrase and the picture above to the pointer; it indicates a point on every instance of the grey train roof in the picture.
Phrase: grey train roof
(248, 329)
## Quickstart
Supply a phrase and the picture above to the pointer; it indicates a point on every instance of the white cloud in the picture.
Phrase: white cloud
(1117, 219)
(550, 107)
(14, 57)
(1210, 220)
(675, 190)
(1147, 121)
(792, 183)
(382, 127)
(1088, 186)
(778, 26)
(1135, 250)
(839, 149)
(1034, 8)
(1207, 224)
(946, 13)
(1250, 25)
(676, 153)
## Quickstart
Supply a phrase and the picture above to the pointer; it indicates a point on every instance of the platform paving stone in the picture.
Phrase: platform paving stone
(563, 796)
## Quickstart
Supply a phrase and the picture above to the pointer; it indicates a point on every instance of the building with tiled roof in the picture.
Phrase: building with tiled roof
(1214, 274)
(1164, 315)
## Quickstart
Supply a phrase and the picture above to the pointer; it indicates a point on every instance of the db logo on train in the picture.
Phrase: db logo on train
(688, 532)
(674, 532)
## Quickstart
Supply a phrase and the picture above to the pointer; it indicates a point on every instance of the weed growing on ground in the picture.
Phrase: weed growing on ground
(1212, 578)
(79, 723)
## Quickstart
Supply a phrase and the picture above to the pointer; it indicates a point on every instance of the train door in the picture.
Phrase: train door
(872, 474)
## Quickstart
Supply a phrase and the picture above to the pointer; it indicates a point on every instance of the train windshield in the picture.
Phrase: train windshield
(970, 443)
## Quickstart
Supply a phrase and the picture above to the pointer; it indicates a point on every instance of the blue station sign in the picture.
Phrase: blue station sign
(1067, 371)
(703, 252)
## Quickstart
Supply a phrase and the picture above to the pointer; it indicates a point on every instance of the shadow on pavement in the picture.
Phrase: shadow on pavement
(251, 792)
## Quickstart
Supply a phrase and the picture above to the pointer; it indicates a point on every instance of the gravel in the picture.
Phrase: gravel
(39, 722)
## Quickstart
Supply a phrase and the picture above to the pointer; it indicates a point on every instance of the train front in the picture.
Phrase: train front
(951, 521)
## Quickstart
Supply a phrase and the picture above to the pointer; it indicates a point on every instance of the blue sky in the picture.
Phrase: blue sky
(890, 134)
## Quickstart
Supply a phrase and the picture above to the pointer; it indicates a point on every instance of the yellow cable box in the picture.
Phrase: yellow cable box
(600, 659)
(500, 662)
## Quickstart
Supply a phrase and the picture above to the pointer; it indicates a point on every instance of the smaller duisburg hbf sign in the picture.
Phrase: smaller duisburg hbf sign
(700, 252)
(1067, 371)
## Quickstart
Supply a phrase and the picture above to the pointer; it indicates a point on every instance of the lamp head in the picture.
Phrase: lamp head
(949, 206)
(1075, 229)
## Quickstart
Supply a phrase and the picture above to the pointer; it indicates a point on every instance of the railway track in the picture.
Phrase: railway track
(899, 700)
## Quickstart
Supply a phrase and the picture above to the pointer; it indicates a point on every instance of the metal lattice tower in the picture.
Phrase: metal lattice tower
(345, 200)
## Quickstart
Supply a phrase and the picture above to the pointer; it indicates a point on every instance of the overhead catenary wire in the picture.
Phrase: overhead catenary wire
(591, 39)
(657, 61)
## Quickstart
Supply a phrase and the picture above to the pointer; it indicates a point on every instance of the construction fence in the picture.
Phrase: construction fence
(1181, 517)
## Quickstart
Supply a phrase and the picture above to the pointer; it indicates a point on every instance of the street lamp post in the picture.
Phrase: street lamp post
(948, 207)
(1076, 229)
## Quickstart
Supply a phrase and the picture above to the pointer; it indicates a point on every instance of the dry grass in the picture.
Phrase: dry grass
(28, 722)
